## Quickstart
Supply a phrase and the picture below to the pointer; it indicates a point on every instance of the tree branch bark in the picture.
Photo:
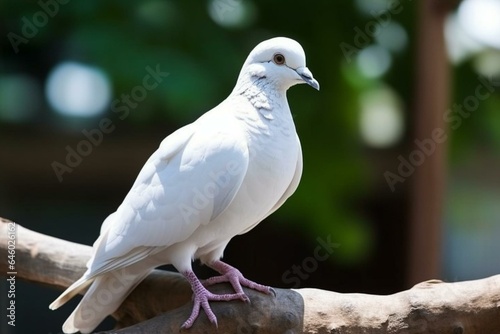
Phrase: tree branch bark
(161, 303)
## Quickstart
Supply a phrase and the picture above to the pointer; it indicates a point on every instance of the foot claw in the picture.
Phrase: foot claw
(245, 299)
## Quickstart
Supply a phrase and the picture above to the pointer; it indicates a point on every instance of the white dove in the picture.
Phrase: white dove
(207, 182)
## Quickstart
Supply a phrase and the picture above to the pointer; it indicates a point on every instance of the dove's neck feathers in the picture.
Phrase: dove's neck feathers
(265, 94)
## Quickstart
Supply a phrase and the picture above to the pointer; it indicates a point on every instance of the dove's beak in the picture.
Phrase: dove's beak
(307, 76)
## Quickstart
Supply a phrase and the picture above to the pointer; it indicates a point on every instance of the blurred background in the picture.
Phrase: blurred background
(401, 165)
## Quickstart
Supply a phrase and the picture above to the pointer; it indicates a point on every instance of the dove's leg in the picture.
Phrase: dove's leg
(234, 276)
(201, 297)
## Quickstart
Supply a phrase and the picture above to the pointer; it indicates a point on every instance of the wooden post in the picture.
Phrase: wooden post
(428, 181)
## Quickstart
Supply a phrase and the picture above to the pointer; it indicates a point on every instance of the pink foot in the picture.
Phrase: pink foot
(234, 276)
(201, 298)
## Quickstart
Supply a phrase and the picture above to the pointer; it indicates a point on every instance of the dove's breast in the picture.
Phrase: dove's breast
(273, 155)
(274, 150)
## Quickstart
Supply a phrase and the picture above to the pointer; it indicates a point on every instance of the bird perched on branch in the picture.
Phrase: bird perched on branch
(209, 181)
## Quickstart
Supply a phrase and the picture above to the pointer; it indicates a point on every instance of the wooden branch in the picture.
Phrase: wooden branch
(164, 298)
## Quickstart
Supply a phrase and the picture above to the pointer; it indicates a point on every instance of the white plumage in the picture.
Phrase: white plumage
(207, 182)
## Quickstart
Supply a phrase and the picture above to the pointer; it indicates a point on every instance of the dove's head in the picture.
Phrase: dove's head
(279, 60)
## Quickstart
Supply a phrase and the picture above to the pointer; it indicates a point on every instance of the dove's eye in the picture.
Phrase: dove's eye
(279, 59)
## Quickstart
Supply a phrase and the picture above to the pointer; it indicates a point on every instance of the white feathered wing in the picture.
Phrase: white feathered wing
(172, 196)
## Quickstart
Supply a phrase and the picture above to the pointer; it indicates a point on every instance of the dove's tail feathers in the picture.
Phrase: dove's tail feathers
(70, 292)
(103, 298)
